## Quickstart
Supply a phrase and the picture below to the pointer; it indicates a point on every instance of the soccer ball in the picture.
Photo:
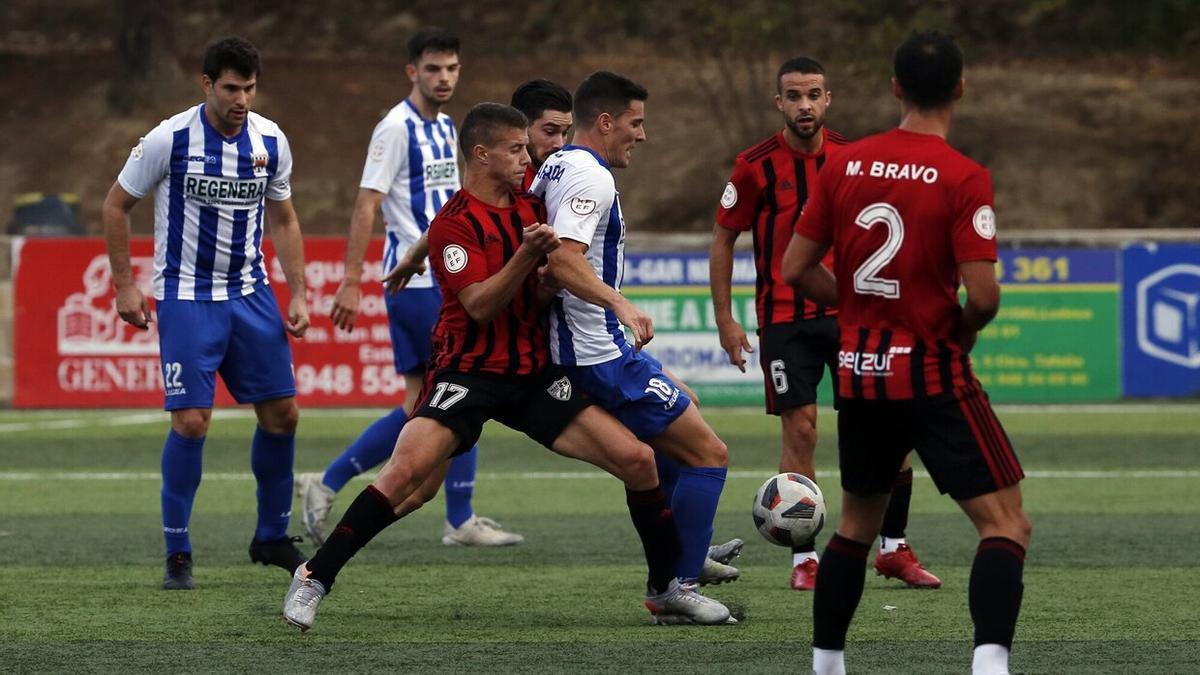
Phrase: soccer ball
(789, 510)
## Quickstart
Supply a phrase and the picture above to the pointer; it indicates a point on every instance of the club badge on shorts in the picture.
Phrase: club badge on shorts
(561, 389)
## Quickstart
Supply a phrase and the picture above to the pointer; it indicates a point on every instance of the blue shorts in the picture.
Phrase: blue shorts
(241, 338)
(634, 389)
(412, 314)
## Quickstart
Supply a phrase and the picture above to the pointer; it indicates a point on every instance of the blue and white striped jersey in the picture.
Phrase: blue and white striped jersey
(583, 205)
(208, 202)
(414, 163)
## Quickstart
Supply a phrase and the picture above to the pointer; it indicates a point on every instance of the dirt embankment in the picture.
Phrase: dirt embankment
(1070, 145)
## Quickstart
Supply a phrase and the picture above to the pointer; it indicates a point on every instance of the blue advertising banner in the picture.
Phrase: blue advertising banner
(1161, 301)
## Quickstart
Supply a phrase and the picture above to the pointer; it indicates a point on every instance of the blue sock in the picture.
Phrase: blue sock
(694, 504)
(460, 486)
(181, 462)
(372, 448)
(668, 473)
(271, 459)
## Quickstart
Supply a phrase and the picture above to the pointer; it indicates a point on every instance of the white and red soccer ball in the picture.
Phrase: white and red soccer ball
(789, 510)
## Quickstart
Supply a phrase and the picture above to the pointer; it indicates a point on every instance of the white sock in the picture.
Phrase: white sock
(798, 558)
(889, 545)
(829, 662)
(990, 660)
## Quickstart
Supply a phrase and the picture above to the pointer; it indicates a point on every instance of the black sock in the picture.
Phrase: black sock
(839, 588)
(995, 590)
(651, 514)
(367, 516)
(895, 521)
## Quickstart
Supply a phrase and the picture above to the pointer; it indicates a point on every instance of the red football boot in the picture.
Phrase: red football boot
(804, 575)
(902, 564)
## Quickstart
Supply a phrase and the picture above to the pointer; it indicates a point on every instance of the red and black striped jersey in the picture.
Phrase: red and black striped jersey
(470, 241)
(530, 174)
(903, 210)
(766, 193)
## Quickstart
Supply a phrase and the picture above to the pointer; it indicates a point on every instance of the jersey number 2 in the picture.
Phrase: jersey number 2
(866, 278)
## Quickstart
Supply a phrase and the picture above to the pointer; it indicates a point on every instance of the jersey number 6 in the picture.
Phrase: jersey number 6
(866, 279)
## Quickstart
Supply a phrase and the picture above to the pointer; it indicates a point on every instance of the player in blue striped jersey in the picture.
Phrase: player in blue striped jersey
(586, 318)
(410, 171)
(219, 174)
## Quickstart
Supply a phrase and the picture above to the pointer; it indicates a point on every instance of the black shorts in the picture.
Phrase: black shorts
(794, 357)
(958, 438)
(539, 405)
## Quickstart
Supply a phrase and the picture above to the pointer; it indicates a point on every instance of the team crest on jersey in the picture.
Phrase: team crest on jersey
(455, 258)
(984, 221)
(561, 389)
(137, 151)
(729, 196)
(260, 160)
(582, 207)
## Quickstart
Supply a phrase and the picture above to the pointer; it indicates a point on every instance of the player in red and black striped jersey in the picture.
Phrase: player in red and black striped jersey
(492, 362)
(909, 217)
(798, 337)
(476, 240)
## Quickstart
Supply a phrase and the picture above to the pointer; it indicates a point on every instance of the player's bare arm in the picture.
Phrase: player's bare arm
(483, 301)
(410, 264)
(720, 278)
(569, 266)
(131, 303)
(983, 300)
(284, 229)
(802, 268)
(349, 293)
(548, 286)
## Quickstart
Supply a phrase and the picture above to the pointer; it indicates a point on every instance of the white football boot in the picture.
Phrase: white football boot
(681, 604)
(302, 599)
(316, 499)
(477, 531)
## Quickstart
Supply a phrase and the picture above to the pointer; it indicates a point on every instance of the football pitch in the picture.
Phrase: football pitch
(1111, 582)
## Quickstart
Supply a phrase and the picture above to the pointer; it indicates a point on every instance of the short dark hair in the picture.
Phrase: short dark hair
(800, 64)
(231, 53)
(485, 121)
(432, 39)
(605, 92)
(928, 67)
(537, 96)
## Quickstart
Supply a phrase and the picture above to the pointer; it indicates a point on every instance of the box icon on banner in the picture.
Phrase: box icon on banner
(1168, 315)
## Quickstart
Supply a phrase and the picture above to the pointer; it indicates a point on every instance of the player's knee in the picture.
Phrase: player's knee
(716, 453)
(289, 419)
(280, 417)
(1022, 527)
(191, 423)
(636, 460)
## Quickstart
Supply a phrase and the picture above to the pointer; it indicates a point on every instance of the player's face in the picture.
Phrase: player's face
(548, 134)
(229, 98)
(628, 129)
(435, 75)
(803, 99)
(508, 157)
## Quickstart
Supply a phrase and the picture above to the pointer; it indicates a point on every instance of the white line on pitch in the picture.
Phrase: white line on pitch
(581, 475)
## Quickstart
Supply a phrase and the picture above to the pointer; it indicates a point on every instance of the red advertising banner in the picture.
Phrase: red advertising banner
(72, 350)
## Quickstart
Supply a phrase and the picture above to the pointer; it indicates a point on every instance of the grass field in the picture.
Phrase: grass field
(1111, 581)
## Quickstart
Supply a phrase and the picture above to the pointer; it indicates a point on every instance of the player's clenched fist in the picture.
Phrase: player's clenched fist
(131, 305)
(539, 239)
